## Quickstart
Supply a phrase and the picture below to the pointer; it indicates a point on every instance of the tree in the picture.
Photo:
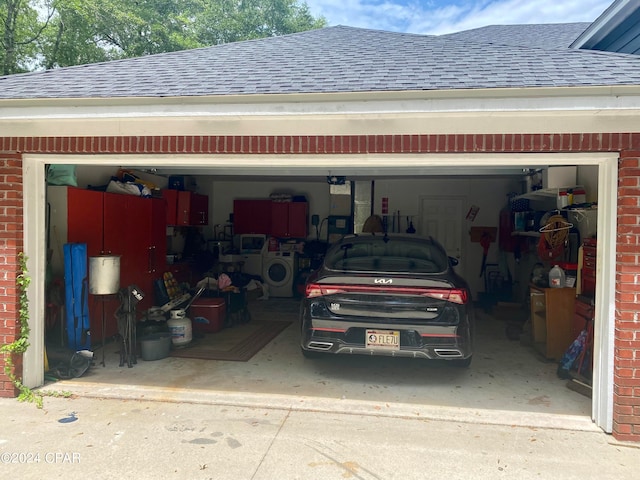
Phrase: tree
(22, 24)
(89, 31)
(225, 21)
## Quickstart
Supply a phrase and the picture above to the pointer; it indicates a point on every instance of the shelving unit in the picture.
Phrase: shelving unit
(546, 193)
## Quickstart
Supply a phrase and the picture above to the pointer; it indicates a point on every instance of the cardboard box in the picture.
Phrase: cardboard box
(340, 205)
(556, 177)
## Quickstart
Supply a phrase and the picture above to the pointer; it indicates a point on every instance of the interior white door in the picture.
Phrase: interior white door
(441, 218)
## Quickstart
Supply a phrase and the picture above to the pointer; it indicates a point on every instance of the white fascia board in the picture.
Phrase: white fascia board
(533, 110)
(613, 16)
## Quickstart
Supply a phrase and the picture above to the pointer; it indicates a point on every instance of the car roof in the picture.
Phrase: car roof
(367, 236)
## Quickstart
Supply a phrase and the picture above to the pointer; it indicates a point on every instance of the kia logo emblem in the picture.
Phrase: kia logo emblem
(383, 280)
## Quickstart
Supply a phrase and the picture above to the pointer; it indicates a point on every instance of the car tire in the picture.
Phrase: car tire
(464, 363)
(310, 354)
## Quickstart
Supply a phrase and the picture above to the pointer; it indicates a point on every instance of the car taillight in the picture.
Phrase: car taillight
(454, 295)
(313, 290)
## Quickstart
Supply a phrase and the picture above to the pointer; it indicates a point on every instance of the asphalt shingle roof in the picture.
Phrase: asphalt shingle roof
(328, 60)
(550, 36)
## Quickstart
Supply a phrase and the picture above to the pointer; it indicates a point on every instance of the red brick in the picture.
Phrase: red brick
(188, 144)
(627, 382)
(630, 172)
(328, 145)
(622, 335)
(624, 419)
(432, 143)
(315, 144)
(620, 393)
(464, 143)
(413, 143)
(621, 428)
(634, 141)
(629, 159)
(629, 181)
(623, 410)
(396, 144)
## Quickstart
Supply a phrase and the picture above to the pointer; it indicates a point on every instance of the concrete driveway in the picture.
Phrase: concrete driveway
(508, 383)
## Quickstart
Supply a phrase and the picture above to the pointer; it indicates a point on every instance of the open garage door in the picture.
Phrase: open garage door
(485, 181)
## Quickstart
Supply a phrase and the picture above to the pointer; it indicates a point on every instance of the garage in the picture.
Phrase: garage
(442, 150)
(280, 369)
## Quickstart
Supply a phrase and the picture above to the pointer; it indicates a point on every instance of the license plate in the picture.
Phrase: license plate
(383, 339)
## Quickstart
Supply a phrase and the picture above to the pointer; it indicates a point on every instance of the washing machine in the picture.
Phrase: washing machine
(252, 248)
(279, 270)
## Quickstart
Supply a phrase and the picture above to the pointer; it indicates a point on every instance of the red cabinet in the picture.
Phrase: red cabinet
(186, 208)
(252, 216)
(193, 209)
(110, 224)
(145, 252)
(279, 219)
(171, 199)
(76, 216)
(289, 219)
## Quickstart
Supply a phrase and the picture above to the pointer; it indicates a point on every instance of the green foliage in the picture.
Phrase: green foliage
(57, 33)
(21, 343)
(21, 24)
(225, 21)
(57, 394)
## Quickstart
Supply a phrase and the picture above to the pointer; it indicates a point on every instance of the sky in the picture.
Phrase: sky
(436, 17)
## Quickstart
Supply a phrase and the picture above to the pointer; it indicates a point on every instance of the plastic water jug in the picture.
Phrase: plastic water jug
(556, 277)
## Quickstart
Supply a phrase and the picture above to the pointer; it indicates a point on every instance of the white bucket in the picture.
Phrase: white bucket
(180, 327)
(104, 274)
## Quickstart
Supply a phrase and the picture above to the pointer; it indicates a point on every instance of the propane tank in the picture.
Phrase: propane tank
(180, 327)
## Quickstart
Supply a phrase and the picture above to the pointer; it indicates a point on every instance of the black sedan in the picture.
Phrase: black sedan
(388, 294)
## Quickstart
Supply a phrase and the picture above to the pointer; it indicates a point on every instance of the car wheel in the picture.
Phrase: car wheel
(310, 354)
(465, 363)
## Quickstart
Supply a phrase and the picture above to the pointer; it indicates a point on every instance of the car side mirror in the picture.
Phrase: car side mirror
(453, 261)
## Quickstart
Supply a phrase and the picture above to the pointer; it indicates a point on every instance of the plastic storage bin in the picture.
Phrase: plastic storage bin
(208, 314)
(155, 346)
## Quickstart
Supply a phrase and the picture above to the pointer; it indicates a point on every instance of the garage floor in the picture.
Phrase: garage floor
(507, 383)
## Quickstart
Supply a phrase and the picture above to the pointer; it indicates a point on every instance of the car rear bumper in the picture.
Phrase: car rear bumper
(443, 342)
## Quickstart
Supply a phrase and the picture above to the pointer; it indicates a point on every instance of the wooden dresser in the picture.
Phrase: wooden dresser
(552, 315)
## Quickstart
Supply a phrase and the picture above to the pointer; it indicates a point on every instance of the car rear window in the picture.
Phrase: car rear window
(393, 255)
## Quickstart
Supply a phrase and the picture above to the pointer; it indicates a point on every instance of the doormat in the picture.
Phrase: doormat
(235, 344)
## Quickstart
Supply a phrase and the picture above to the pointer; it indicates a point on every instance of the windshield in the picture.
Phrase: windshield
(387, 254)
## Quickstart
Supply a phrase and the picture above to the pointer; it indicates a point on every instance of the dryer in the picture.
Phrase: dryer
(279, 270)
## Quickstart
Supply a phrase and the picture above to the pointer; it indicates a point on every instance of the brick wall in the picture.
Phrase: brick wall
(11, 244)
(626, 393)
(627, 322)
(328, 144)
